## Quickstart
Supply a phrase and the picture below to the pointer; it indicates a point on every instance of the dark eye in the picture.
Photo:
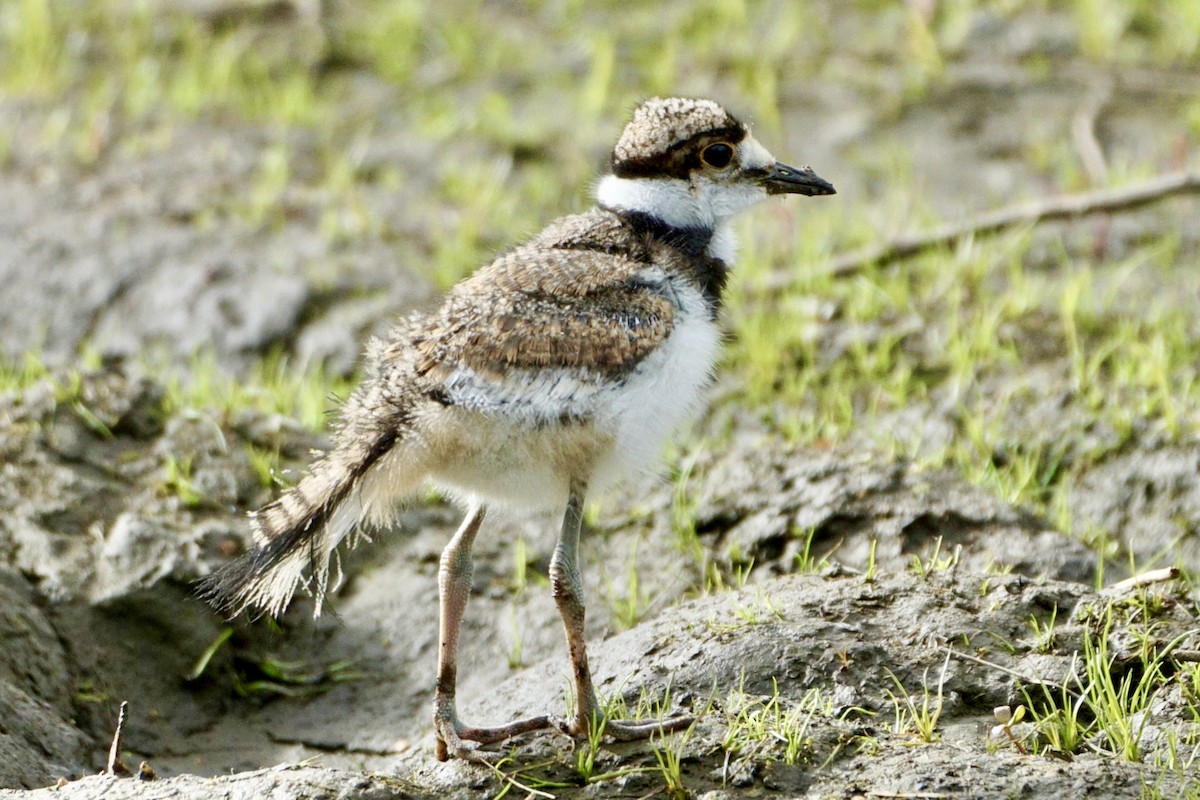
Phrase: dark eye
(717, 155)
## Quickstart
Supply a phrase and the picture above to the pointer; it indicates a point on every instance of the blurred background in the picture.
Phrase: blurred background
(232, 194)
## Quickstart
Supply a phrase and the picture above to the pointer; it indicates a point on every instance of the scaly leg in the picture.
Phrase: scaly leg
(454, 589)
(568, 594)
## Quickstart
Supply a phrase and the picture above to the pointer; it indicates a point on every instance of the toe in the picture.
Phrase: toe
(627, 731)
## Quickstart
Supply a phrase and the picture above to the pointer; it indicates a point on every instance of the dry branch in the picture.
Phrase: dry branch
(1185, 656)
(1071, 206)
(114, 765)
(1143, 580)
(1026, 679)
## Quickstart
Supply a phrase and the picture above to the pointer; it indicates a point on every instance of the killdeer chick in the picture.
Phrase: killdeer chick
(555, 370)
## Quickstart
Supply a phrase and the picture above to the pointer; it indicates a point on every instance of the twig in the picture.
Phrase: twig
(1102, 201)
(1083, 132)
(496, 768)
(1145, 579)
(1032, 681)
(114, 750)
(529, 790)
(1188, 656)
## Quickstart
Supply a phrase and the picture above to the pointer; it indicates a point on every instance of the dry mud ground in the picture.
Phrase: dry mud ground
(100, 540)
(97, 611)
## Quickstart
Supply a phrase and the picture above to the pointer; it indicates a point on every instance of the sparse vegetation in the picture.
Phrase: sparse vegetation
(669, 757)
(1043, 632)
(758, 608)
(265, 677)
(18, 375)
(628, 603)
(274, 386)
(589, 749)
(936, 561)
(1104, 702)
(762, 730)
(808, 563)
(916, 714)
(178, 481)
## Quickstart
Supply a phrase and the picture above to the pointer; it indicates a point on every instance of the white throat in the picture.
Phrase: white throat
(724, 244)
(704, 204)
(669, 199)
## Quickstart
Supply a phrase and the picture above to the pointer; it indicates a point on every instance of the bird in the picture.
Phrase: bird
(557, 370)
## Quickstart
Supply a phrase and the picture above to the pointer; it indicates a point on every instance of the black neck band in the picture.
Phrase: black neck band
(709, 273)
(690, 241)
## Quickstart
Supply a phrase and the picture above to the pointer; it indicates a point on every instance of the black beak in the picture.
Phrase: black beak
(783, 179)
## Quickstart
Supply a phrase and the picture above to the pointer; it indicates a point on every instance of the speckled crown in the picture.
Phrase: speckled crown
(660, 125)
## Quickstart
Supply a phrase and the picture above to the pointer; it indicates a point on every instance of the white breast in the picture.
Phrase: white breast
(665, 390)
(517, 440)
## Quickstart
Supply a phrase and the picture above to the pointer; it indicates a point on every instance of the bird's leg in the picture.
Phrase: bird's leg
(568, 595)
(454, 589)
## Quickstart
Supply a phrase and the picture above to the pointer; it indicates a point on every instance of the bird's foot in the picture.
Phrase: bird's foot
(621, 730)
(451, 736)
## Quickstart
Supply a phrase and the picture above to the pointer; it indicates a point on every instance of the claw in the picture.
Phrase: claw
(449, 744)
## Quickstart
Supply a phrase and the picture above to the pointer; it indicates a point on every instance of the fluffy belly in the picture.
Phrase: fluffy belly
(523, 440)
(666, 390)
(527, 455)
(515, 463)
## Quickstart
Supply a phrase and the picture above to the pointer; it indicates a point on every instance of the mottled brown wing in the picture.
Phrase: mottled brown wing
(558, 309)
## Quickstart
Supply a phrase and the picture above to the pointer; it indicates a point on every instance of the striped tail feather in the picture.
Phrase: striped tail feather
(297, 535)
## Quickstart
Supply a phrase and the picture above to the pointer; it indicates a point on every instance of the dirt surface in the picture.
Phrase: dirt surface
(871, 577)
(96, 256)
(100, 612)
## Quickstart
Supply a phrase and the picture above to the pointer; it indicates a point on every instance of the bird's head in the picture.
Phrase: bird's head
(690, 163)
